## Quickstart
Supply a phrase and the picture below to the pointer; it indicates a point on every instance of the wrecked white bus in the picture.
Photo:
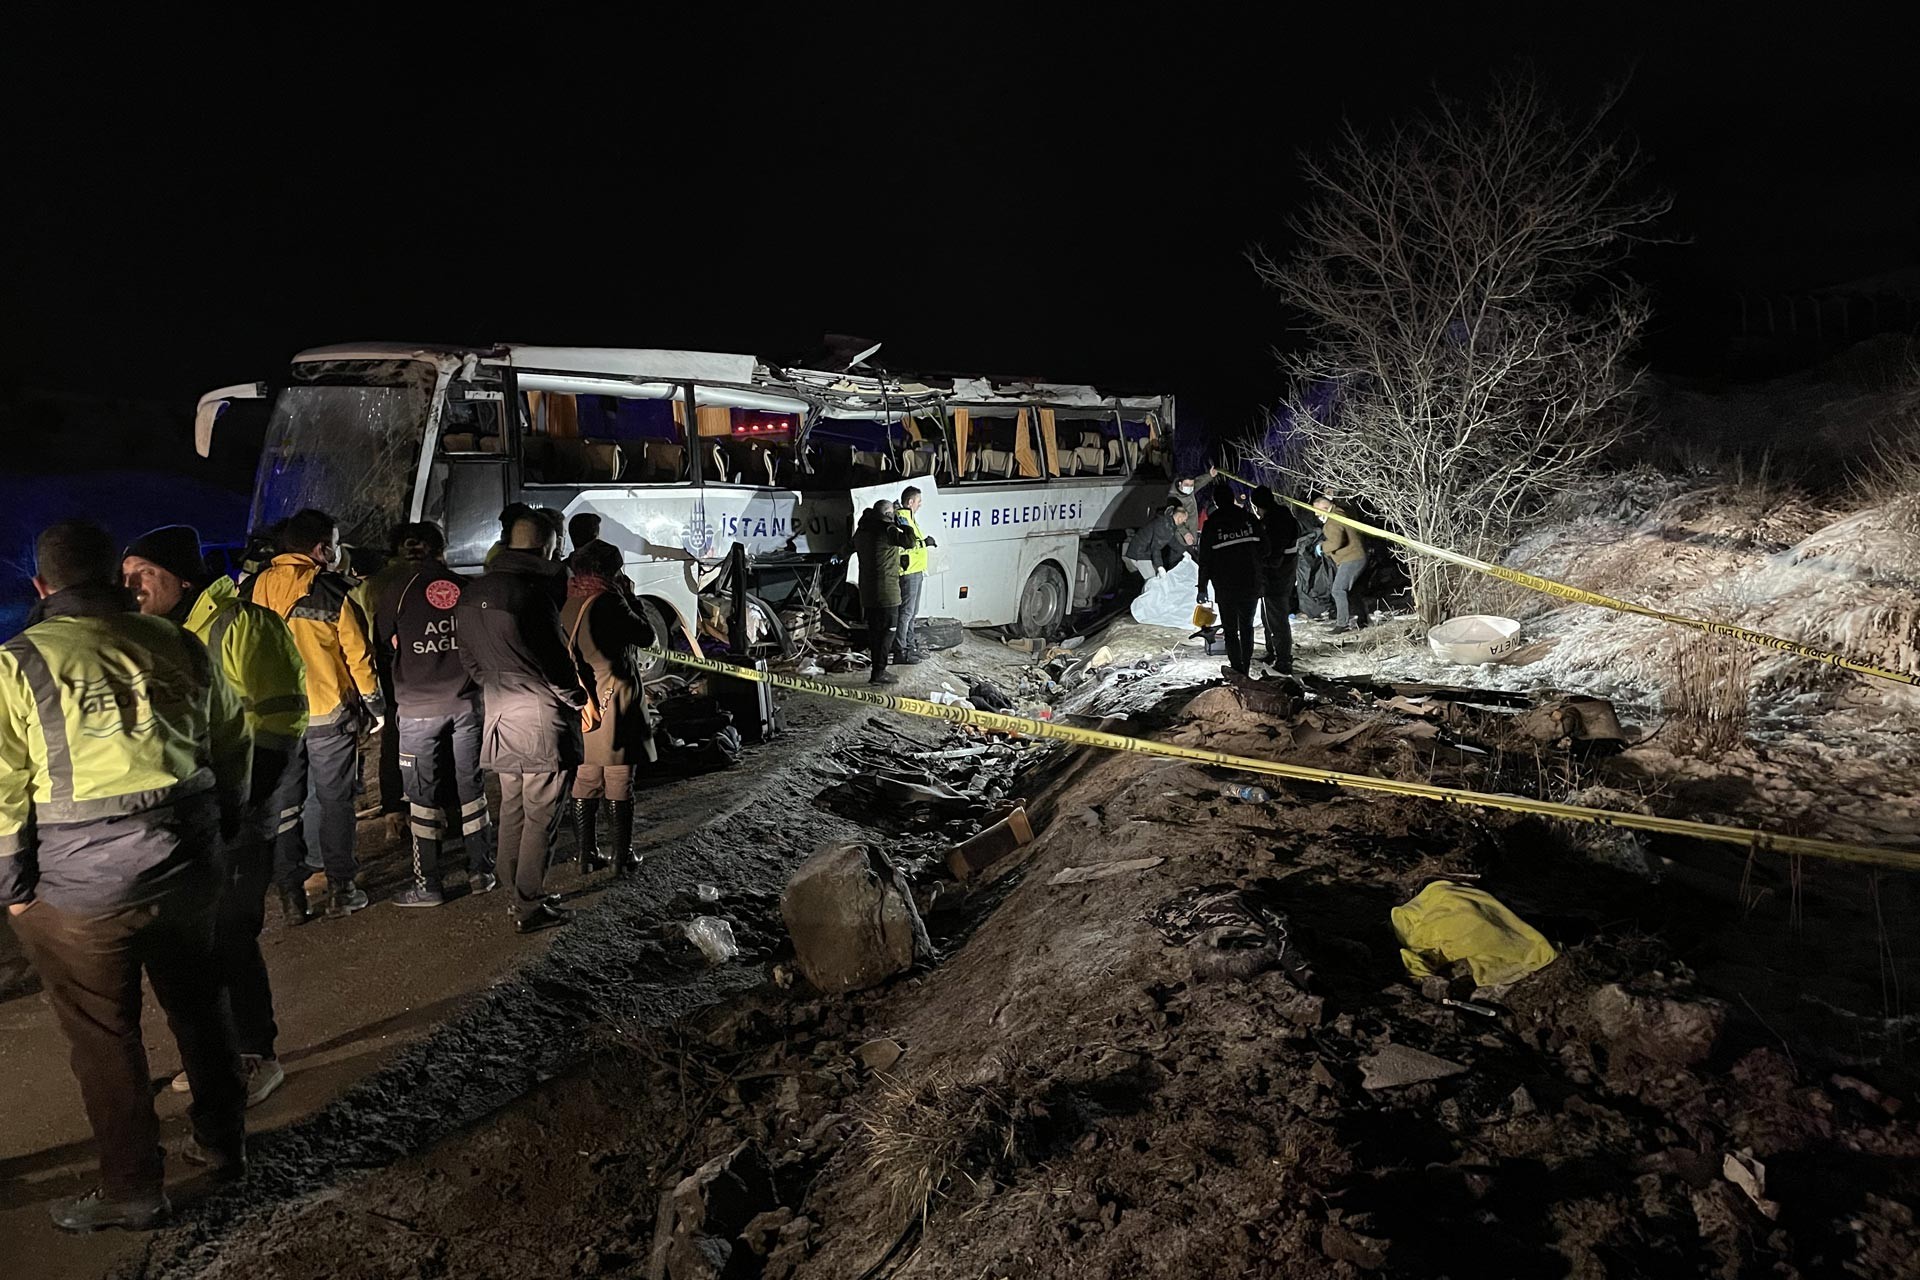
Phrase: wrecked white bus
(1030, 487)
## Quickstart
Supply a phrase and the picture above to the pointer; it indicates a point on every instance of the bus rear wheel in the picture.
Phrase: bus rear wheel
(1043, 602)
(656, 617)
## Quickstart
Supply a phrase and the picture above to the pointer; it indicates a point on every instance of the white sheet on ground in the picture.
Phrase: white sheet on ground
(1167, 600)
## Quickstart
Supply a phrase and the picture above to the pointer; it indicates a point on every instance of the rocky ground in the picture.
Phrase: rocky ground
(1174, 1036)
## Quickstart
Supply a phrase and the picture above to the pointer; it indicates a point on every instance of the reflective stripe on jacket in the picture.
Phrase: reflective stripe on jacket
(329, 630)
(916, 555)
(114, 729)
(256, 652)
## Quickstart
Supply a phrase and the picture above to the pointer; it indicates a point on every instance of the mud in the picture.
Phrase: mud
(1076, 1094)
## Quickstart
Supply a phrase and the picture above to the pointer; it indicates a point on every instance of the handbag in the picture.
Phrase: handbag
(590, 715)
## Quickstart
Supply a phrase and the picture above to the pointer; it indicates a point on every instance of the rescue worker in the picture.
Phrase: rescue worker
(1279, 532)
(881, 542)
(393, 787)
(437, 715)
(1157, 545)
(604, 631)
(123, 765)
(913, 575)
(1230, 558)
(343, 697)
(512, 646)
(1347, 553)
(252, 647)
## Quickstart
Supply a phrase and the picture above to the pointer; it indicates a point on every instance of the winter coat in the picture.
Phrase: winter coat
(512, 646)
(413, 625)
(605, 642)
(1231, 551)
(123, 753)
(1340, 544)
(1159, 540)
(254, 648)
(1279, 532)
(881, 544)
(1190, 502)
(330, 631)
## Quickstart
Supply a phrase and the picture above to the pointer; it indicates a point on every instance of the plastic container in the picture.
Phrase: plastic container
(1475, 639)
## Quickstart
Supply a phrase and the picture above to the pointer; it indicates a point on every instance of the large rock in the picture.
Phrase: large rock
(1656, 1029)
(852, 919)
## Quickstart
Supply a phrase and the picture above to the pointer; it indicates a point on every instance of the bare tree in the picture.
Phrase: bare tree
(1472, 336)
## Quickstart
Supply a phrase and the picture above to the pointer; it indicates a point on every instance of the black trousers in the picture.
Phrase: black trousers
(1274, 610)
(439, 754)
(392, 785)
(321, 773)
(1236, 621)
(882, 622)
(531, 807)
(239, 964)
(91, 966)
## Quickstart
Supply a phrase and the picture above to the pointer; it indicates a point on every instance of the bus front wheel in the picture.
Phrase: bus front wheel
(1043, 602)
(656, 617)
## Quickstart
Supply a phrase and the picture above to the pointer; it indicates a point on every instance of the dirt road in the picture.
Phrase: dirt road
(397, 1026)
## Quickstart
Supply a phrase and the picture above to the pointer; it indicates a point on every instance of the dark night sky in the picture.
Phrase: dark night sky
(978, 191)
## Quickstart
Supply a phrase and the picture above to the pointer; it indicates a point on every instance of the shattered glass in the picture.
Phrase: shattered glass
(345, 438)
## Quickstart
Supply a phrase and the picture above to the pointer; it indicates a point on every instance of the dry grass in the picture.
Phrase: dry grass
(1708, 689)
(922, 1134)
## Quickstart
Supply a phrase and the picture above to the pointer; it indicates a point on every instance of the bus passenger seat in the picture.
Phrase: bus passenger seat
(492, 444)
(460, 442)
(661, 462)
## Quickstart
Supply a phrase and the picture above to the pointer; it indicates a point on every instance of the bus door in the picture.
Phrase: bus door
(469, 480)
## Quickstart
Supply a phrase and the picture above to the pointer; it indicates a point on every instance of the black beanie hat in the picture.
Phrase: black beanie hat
(175, 548)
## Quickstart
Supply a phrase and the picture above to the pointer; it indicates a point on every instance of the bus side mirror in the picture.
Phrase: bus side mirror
(213, 404)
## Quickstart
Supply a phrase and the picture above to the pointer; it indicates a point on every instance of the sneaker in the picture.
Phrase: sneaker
(911, 660)
(94, 1212)
(420, 895)
(885, 677)
(542, 915)
(345, 902)
(482, 882)
(264, 1075)
(225, 1166)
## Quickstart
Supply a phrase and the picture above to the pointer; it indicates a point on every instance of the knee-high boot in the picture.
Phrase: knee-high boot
(586, 836)
(625, 860)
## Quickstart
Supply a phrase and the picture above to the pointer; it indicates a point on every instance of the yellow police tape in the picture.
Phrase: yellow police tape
(1578, 596)
(1741, 836)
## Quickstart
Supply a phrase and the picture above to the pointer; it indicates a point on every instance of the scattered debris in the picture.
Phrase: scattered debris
(1748, 1174)
(1101, 870)
(700, 1220)
(713, 936)
(879, 1055)
(1657, 1029)
(976, 854)
(1864, 1090)
(1396, 1065)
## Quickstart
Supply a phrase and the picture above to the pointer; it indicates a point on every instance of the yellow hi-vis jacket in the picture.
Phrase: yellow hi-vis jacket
(253, 647)
(916, 555)
(329, 630)
(116, 738)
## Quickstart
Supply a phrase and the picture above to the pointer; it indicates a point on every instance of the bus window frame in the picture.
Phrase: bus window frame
(683, 394)
(805, 411)
(1110, 415)
(1032, 411)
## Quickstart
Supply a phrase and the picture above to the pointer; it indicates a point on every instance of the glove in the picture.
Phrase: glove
(376, 709)
(928, 542)
(1200, 597)
(1162, 571)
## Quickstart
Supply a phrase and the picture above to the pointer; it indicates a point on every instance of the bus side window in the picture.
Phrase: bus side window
(1148, 450)
(998, 445)
(568, 438)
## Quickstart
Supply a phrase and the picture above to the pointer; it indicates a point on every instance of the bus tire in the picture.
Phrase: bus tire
(1043, 602)
(663, 632)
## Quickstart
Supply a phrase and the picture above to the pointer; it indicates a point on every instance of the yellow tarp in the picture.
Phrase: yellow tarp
(1447, 922)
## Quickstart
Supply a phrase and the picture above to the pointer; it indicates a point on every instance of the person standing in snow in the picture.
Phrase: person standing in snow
(1343, 548)
(1279, 531)
(1231, 551)
(881, 542)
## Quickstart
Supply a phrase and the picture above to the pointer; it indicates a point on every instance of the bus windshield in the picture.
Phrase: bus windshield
(345, 437)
